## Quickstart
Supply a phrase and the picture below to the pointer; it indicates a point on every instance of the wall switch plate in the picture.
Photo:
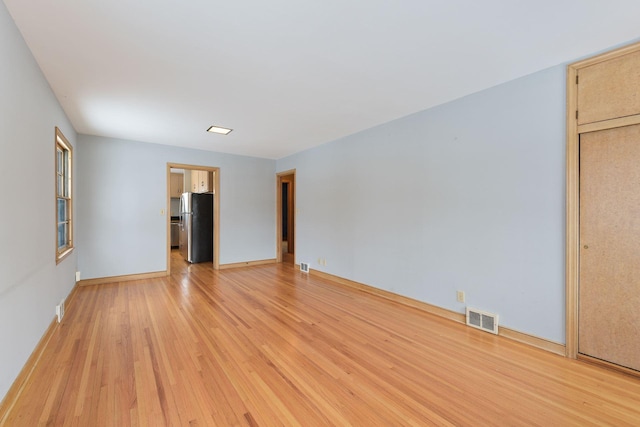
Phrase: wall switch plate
(460, 296)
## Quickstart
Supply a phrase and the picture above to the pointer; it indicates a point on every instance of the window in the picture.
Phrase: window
(64, 224)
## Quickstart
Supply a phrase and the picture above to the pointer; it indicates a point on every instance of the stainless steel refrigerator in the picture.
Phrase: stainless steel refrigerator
(196, 227)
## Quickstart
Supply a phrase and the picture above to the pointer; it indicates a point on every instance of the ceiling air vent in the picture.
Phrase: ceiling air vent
(304, 267)
(482, 320)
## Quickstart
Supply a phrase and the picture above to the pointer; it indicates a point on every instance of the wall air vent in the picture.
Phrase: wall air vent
(482, 320)
(304, 267)
(60, 311)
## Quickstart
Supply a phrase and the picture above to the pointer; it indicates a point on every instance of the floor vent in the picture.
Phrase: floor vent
(60, 311)
(304, 267)
(482, 320)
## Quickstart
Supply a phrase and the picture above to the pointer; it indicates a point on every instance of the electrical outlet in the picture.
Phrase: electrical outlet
(319, 261)
(460, 296)
(77, 276)
(324, 262)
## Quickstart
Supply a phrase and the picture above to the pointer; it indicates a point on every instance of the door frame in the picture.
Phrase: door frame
(279, 181)
(216, 210)
(572, 253)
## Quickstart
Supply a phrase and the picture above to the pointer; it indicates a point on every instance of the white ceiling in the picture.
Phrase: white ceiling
(288, 75)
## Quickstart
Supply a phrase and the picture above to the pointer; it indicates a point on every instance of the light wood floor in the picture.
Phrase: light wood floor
(268, 345)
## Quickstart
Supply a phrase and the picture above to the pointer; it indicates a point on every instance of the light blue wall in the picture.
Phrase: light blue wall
(122, 188)
(31, 284)
(465, 196)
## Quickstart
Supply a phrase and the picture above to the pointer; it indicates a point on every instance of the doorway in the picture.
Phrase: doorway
(214, 174)
(286, 212)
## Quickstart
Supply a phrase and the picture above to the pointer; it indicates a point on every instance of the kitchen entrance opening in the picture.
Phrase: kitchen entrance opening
(286, 182)
(193, 204)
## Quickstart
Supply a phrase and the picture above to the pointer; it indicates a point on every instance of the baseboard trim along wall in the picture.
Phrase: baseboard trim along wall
(247, 264)
(27, 370)
(125, 278)
(531, 340)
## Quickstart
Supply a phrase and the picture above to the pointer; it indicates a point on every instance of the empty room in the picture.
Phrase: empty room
(320, 213)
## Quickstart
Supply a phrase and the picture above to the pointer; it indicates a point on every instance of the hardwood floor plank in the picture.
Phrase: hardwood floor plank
(269, 346)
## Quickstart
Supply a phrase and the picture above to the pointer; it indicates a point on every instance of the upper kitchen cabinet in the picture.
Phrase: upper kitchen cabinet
(176, 185)
(201, 181)
(195, 181)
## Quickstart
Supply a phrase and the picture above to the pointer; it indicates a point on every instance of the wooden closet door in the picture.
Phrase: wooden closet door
(609, 299)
